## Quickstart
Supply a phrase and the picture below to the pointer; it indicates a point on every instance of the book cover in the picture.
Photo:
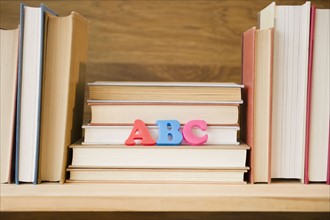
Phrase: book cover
(248, 74)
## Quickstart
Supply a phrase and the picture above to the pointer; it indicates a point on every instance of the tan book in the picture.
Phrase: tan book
(209, 176)
(166, 91)
(181, 156)
(123, 113)
(63, 92)
(263, 104)
(8, 74)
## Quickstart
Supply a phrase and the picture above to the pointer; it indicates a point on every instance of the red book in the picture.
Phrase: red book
(309, 92)
(328, 175)
(248, 73)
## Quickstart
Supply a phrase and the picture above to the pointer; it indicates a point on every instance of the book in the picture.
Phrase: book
(290, 67)
(140, 175)
(8, 82)
(309, 92)
(30, 73)
(248, 74)
(115, 134)
(262, 105)
(317, 131)
(121, 156)
(166, 91)
(127, 112)
(63, 92)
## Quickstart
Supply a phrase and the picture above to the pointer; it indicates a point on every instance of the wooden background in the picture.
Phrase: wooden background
(184, 40)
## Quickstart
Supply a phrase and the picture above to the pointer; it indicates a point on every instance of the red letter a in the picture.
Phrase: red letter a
(143, 134)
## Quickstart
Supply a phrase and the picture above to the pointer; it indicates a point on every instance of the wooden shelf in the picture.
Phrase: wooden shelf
(285, 197)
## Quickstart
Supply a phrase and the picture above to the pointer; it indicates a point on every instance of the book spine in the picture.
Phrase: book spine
(19, 87)
(328, 170)
(309, 94)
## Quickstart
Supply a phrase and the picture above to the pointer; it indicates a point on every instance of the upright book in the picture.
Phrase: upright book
(63, 92)
(290, 69)
(317, 130)
(257, 58)
(8, 82)
(30, 73)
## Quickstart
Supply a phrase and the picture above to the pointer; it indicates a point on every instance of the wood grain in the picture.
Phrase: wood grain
(160, 40)
(284, 197)
(164, 215)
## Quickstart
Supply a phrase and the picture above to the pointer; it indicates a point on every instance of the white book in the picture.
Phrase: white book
(123, 113)
(118, 134)
(320, 98)
(29, 91)
(290, 71)
(8, 82)
(182, 156)
(208, 176)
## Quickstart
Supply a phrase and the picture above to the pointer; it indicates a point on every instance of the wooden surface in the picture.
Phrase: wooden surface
(166, 197)
(164, 215)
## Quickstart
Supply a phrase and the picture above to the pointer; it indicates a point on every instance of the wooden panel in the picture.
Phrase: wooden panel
(160, 40)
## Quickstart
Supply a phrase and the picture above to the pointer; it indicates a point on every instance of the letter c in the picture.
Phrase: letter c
(190, 137)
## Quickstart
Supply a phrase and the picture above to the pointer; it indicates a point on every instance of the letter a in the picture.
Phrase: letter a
(140, 132)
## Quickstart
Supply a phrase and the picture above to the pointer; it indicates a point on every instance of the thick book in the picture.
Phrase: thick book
(115, 134)
(290, 70)
(182, 156)
(29, 88)
(166, 91)
(317, 130)
(142, 175)
(257, 57)
(63, 92)
(127, 112)
(8, 83)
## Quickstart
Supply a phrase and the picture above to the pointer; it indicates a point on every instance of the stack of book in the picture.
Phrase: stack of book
(42, 93)
(286, 72)
(170, 115)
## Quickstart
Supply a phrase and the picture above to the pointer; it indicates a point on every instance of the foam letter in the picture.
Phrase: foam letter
(169, 132)
(189, 137)
(140, 132)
